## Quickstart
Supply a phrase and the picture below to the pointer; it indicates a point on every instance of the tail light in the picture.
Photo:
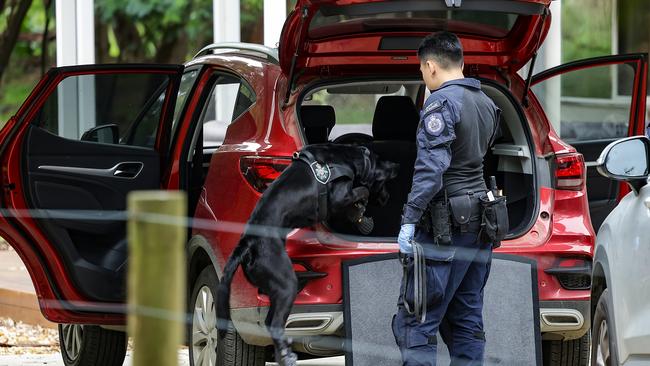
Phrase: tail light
(297, 267)
(570, 172)
(261, 171)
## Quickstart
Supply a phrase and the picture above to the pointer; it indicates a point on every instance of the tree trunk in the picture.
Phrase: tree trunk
(173, 45)
(9, 37)
(128, 39)
(102, 44)
(44, 41)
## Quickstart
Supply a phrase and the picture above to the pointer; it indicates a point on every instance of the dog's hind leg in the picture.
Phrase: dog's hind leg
(282, 296)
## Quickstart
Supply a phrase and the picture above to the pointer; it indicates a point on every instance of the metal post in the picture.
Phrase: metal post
(275, 12)
(156, 275)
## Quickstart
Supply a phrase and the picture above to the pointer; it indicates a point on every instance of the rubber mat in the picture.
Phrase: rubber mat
(510, 312)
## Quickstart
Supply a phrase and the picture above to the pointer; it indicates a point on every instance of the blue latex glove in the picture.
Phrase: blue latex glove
(406, 234)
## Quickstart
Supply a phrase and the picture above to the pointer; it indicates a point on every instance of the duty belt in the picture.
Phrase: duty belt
(323, 173)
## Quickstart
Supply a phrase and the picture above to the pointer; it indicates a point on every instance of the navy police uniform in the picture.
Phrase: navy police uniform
(457, 126)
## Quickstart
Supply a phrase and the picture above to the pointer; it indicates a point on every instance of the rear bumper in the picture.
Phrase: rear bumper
(564, 320)
(314, 329)
(319, 329)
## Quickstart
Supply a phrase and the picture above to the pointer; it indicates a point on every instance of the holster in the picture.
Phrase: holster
(436, 221)
(494, 220)
(440, 223)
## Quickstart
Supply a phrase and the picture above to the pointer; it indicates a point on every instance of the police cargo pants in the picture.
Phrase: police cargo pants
(458, 313)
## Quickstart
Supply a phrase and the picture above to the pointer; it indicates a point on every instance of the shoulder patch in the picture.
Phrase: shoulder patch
(434, 124)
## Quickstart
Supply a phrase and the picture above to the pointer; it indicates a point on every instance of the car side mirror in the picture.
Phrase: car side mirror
(106, 134)
(626, 160)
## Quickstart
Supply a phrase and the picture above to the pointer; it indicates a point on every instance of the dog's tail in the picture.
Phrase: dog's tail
(223, 291)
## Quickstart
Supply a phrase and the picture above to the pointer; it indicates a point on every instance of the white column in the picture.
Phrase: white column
(551, 57)
(226, 21)
(227, 28)
(75, 32)
(75, 45)
(275, 12)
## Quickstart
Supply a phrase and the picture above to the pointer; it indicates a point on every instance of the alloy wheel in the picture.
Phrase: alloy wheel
(73, 336)
(204, 329)
(602, 351)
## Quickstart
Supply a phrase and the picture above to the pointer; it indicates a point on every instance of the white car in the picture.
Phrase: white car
(621, 266)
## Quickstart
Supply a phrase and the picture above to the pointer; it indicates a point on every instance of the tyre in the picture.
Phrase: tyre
(603, 351)
(91, 345)
(205, 347)
(573, 352)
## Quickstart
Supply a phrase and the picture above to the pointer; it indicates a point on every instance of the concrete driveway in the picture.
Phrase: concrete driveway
(55, 360)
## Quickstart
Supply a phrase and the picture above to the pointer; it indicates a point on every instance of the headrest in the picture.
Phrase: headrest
(396, 118)
(314, 116)
(317, 120)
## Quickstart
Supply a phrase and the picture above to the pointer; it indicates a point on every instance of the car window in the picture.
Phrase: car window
(130, 104)
(229, 98)
(589, 104)
(354, 106)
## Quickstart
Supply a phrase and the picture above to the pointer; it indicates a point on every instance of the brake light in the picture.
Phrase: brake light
(571, 262)
(570, 172)
(297, 267)
(261, 171)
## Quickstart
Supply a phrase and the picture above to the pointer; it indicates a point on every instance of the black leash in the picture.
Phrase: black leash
(419, 282)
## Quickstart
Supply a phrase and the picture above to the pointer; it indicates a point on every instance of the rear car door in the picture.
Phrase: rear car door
(591, 103)
(85, 138)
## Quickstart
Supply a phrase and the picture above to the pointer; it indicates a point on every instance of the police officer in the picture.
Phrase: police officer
(457, 125)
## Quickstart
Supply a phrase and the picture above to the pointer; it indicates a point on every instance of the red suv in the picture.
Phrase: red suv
(225, 124)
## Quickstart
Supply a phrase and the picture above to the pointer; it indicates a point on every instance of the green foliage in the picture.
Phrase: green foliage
(23, 70)
(13, 92)
(586, 32)
(586, 29)
(152, 30)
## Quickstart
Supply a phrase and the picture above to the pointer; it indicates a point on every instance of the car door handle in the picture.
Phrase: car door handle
(127, 170)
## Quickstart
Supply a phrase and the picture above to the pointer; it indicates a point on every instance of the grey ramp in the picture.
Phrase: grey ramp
(511, 312)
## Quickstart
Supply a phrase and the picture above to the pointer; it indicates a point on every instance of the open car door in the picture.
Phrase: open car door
(591, 103)
(85, 138)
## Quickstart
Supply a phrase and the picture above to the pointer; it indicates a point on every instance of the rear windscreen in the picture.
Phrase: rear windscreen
(477, 18)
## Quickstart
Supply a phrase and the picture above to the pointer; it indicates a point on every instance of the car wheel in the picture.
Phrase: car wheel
(603, 351)
(574, 352)
(91, 345)
(205, 347)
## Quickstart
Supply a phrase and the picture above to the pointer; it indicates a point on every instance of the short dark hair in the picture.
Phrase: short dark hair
(443, 47)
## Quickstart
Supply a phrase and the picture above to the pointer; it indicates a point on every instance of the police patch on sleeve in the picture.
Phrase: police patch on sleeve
(434, 124)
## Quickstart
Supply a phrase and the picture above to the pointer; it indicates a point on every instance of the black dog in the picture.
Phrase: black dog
(338, 177)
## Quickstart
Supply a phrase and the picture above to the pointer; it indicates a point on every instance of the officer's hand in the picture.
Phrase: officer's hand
(406, 234)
